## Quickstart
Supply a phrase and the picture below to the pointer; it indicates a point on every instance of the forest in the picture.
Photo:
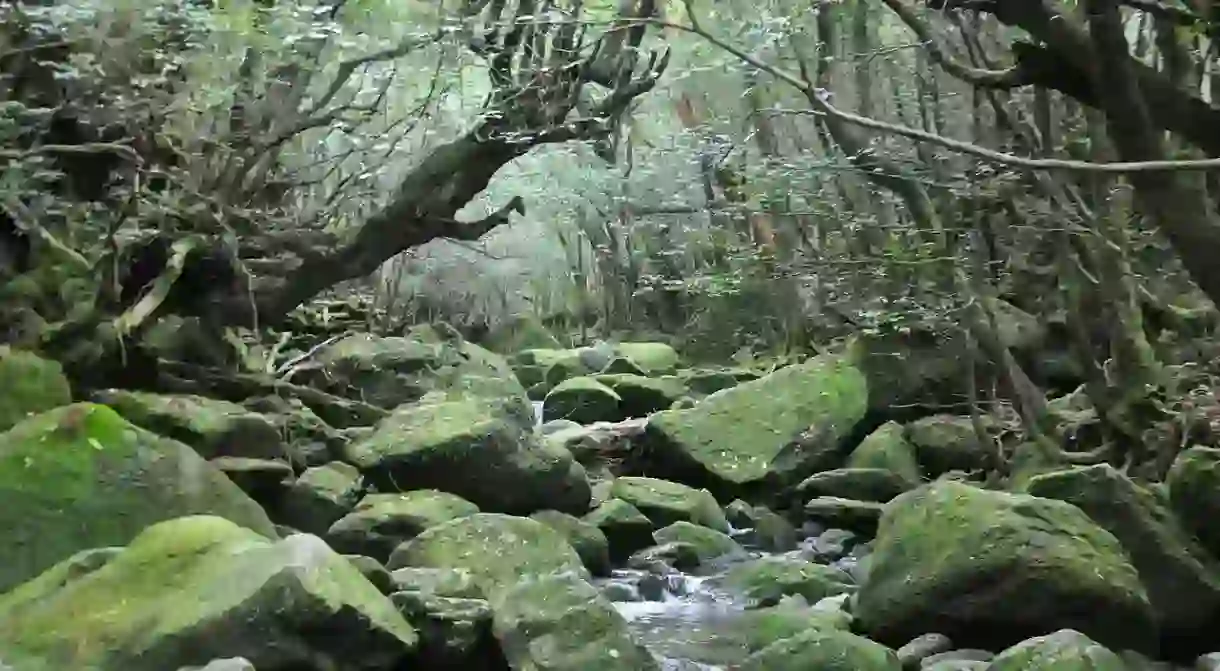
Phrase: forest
(904, 306)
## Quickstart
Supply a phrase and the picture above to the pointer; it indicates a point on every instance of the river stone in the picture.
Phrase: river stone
(583, 400)
(381, 522)
(824, 650)
(1183, 583)
(447, 582)
(763, 435)
(454, 633)
(263, 479)
(665, 502)
(767, 580)
(1046, 566)
(709, 543)
(887, 448)
(862, 484)
(657, 358)
(390, 371)
(625, 527)
(584, 537)
(80, 477)
(1064, 650)
(29, 384)
(320, 497)
(861, 517)
(196, 588)
(469, 446)
(1194, 493)
(641, 396)
(215, 428)
(946, 443)
(496, 550)
(562, 623)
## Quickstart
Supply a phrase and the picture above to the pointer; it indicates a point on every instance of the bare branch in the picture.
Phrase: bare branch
(1008, 78)
(819, 99)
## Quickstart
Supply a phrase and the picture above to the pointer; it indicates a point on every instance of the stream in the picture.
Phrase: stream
(685, 619)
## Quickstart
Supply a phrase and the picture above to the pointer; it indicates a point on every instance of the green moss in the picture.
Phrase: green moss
(708, 543)
(561, 623)
(775, 429)
(213, 427)
(193, 581)
(767, 580)
(29, 384)
(1046, 564)
(641, 396)
(665, 502)
(583, 400)
(824, 650)
(81, 477)
(496, 550)
(1064, 650)
(887, 448)
(654, 357)
(588, 541)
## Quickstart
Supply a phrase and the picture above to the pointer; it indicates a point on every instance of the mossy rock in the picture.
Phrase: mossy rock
(470, 447)
(824, 650)
(623, 366)
(767, 580)
(763, 435)
(665, 502)
(29, 384)
(549, 366)
(946, 443)
(192, 589)
(1182, 581)
(213, 427)
(641, 396)
(321, 496)
(887, 448)
(708, 543)
(80, 476)
(584, 537)
(583, 400)
(1046, 565)
(862, 517)
(625, 527)
(382, 522)
(1194, 493)
(523, 332)
(496, 550)
(656, 358)
(559, 622)
(1064, 650)
(862, 484)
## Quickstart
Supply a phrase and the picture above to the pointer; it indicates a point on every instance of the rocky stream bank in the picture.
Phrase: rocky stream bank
(417, 511)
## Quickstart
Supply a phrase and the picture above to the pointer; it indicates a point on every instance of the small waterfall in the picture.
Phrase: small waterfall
(537, 414)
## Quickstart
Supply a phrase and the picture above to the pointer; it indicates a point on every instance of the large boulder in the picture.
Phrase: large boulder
(1183, 583)
(562, 623)
(583, 400)
(81, 477)
(495, 550)
(990, 568)
(762, 435)
(193, 589)
(213, 427)
(924, 364)
(390, 371)
(468, 446)
(29, 385)
(544, 613)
